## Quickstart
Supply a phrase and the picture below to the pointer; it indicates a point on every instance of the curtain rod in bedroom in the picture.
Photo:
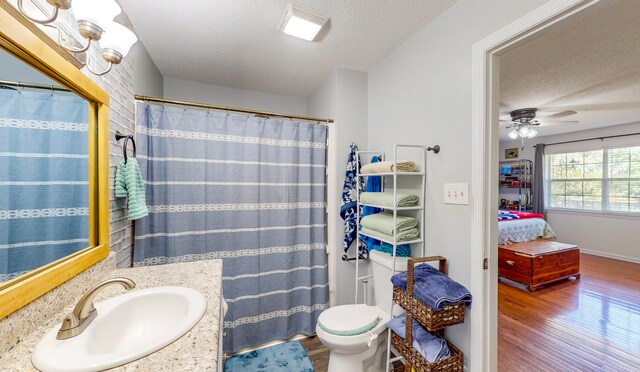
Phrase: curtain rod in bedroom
(233, 109)
(591, 139)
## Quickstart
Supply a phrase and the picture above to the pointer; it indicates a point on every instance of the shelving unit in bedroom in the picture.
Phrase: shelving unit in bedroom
(392, 178)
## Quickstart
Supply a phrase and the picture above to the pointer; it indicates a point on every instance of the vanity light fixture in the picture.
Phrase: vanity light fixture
(301, 23)
(115, 44)
(57, 6)
(95, 20)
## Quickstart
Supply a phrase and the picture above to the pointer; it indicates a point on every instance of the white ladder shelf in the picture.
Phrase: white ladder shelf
(422, 168)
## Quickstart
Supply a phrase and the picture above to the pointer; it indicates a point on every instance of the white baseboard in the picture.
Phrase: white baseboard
(610, 255)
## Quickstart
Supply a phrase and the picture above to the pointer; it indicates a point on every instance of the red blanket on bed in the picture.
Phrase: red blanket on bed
(519, 215)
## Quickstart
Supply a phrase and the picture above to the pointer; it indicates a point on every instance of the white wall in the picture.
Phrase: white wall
(192, 91)
(147, 79)
(421, 94)
(605, 234)
(343, 97)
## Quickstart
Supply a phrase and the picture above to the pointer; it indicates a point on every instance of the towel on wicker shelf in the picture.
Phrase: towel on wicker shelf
(430, 346)
(129, 184)
(433, 287)
(401, 236)
(385, 199)
(383, 222)
(387, 166)
(403, 250)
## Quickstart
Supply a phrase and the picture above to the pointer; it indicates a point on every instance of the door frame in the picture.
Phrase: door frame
(484, 182)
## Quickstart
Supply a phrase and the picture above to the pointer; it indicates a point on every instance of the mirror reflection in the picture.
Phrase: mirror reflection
(44, 169)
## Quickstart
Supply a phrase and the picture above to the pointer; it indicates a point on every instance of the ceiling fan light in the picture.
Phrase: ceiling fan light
(532, 133)
(513, 134)
(524, 131)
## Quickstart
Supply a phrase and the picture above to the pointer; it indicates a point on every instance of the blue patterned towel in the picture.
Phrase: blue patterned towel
(432, 287)
(432, 347)
(349, 203)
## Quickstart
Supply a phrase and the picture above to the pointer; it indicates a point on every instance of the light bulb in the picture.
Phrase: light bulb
(532, 133)
(97, 12)
(118, 38)
(524, 131)
(513, 134)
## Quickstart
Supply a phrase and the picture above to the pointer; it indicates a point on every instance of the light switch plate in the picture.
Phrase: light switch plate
(456, 193)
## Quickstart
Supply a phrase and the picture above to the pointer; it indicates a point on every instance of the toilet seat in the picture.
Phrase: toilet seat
(357, 343)
(349, 320)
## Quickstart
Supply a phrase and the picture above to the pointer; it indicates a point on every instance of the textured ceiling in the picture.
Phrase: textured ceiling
(590, 65)
(235, 43)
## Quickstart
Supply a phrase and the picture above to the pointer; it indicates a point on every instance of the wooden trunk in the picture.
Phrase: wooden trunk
(538, 262)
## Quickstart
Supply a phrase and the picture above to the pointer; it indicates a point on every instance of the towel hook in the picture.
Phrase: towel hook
(128, 137)
(435, 149)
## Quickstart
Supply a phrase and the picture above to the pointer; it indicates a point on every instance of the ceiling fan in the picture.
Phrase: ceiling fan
(522, 121)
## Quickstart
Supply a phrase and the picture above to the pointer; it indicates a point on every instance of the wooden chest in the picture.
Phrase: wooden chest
(538, 262)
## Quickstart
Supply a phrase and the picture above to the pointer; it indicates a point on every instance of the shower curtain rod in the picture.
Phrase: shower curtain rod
(234, 109)
(591, 139)
(34, 86)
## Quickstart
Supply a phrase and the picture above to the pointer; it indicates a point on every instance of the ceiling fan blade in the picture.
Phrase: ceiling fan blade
(594, 107)
(557, 115)
(557, 123)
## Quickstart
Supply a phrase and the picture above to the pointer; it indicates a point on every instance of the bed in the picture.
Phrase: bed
(519, 227)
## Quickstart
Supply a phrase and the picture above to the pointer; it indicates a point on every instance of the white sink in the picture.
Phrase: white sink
(128, 327)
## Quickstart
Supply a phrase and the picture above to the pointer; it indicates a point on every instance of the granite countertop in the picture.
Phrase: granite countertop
(197, 350)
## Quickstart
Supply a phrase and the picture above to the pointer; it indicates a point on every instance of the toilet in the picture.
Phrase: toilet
(356, 334)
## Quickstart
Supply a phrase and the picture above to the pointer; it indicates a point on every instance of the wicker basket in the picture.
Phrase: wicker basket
(455, 363)
(430, 319)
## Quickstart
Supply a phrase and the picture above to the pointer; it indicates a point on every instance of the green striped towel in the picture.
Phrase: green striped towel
(385, 199)
(129, 185)
(383, 223)
(403, 236)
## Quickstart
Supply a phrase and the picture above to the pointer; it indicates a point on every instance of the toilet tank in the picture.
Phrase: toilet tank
(382, 272)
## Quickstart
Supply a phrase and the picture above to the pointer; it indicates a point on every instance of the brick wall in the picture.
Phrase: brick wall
(119, 84)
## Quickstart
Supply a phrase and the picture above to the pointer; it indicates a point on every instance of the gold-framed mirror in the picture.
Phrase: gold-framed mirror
(91, 105)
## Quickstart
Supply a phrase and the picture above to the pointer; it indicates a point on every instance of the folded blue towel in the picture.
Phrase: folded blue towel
(432, 287)
(432, 347)
(403, 250)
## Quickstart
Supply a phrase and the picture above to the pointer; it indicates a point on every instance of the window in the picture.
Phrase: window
(600, 180)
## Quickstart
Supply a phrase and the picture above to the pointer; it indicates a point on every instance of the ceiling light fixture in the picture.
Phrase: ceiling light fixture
(522, 131)
(301, 23)
(95, 20)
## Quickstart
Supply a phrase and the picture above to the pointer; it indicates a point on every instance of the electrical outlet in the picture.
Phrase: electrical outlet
(456, 193)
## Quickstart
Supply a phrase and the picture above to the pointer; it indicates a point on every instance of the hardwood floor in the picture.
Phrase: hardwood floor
(592, 324)
(318, 354)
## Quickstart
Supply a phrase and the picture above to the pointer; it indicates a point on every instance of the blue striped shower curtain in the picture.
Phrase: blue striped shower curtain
(250, 191)
(43, 179)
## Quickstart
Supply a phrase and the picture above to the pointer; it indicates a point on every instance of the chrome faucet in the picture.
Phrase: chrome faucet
(84, 312)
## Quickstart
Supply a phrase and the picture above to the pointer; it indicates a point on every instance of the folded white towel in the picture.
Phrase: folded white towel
(387, 166)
